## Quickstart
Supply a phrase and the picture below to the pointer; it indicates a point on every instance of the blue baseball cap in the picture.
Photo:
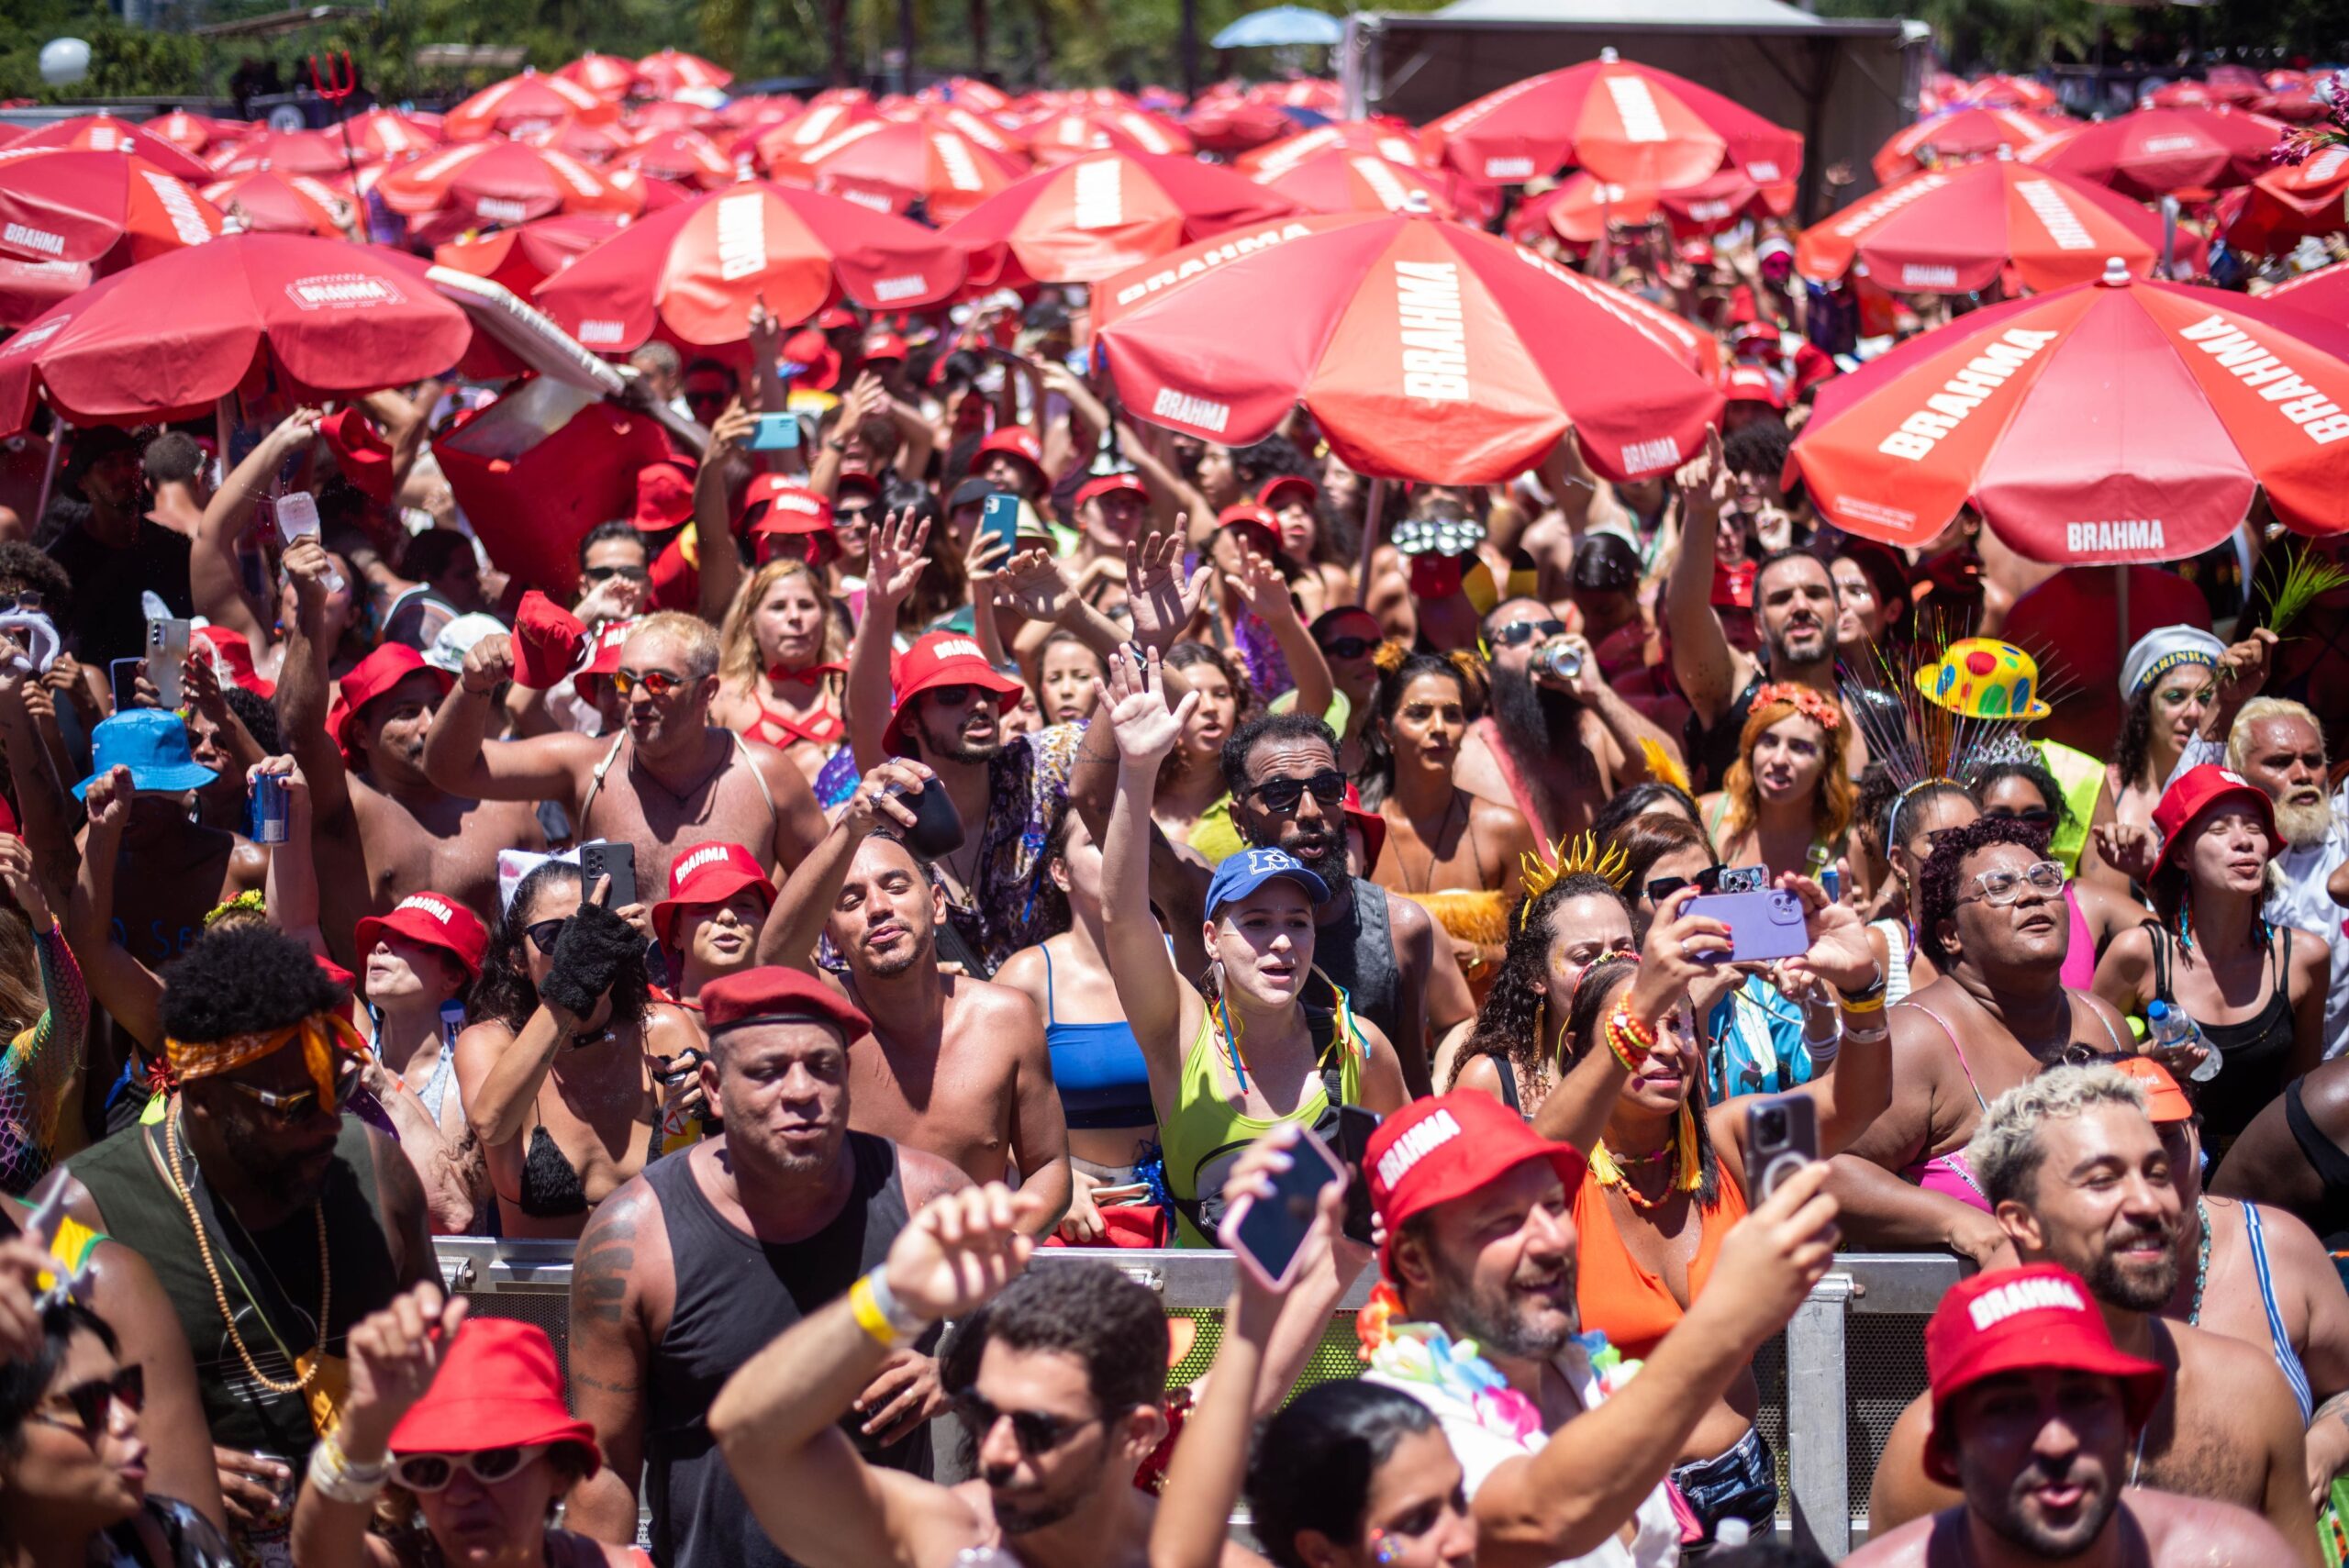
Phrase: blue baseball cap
(152, 743)
(1242, 874)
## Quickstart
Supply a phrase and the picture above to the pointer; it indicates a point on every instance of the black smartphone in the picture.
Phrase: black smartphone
(937, 831)
(1268, 1235)
(1781, 1138)
(122, 675)
(1354, 1127)
(614, 861)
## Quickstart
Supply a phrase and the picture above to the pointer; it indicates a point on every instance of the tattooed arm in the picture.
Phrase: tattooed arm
(621, 1269)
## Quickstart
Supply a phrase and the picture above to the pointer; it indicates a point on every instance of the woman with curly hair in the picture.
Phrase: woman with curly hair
(1517, 1048)
(1786, 800)
(781, 667)
(556, 1077)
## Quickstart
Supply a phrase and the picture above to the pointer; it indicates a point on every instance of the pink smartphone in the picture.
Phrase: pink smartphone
(1266, 1235)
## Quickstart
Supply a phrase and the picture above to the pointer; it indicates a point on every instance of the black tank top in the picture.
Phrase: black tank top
(1357, 951)
(1712, 750)
(734, 1293)
(279, 1265)
(2253, 1054)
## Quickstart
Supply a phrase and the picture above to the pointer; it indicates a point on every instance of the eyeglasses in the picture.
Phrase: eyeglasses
(2000, 888)
(544, 934)
(604, 573)
(657, 682)
(1036, 1432)
(94, 1401)
(1329, 787)
(1348, 647)
(2039, 817)
(432, 1472)
(1518, 632)
(298, 1105)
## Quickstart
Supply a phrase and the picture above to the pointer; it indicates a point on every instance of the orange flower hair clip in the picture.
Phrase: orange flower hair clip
(1822, 711)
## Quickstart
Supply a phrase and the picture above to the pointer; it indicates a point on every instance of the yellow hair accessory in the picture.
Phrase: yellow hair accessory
(1388, 656)
(1567, 856)
(1661, 766)
(251, 902)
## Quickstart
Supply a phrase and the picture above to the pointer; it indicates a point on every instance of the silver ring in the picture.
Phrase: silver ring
(1684, 945)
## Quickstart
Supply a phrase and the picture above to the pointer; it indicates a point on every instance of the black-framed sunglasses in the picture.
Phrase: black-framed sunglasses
(1708, 881)
(951, 697)
(1036, 1432)
(1329, 787)
(294, 1105)
(1518, 632)
(544, 934)
(604, 573)
(1348, 647)
(2039, 817)
(94, 1400)
(433, 1472)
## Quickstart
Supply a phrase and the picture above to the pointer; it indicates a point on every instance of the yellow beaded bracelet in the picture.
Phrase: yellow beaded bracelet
(868, 1313)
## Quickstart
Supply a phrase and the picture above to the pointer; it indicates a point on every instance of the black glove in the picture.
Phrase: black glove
(587, 957)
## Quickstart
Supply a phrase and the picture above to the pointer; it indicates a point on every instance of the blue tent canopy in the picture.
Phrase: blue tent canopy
(1280, 27)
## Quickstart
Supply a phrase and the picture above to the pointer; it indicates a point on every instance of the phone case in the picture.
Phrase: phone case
(1765, 925)
(1228, 1234)
(1774, 1159)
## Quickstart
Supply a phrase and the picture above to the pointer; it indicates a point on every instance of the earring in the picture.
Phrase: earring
(1541, 1026)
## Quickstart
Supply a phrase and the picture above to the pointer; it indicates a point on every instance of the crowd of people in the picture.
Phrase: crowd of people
(986, 823)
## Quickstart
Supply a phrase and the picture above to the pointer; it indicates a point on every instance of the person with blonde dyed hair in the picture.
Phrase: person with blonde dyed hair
(1785, 802)
(2280, 746)
(781, 665)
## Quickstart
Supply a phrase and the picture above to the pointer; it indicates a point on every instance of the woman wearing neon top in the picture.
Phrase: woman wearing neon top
(780, 665)
(1785, 802)
(1669, 1175)
(1248, 1048)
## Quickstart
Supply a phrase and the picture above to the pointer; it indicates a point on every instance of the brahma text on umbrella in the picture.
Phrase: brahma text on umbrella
(2318, 417)
(1231, 249)
(2056, 214)
(2138, 535)
(1962, 394)
(742, 236)
(1434, 335)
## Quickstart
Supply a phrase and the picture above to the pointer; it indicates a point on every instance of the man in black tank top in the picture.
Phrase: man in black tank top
(685, 1271)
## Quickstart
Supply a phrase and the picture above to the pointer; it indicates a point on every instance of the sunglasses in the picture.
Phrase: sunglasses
(1348, 647)
(1329, 787)
(1518, 632)
(432, 1472)
(94, 1400)
(659, 682)
(2000, 888)
(544, 934)
(296, 1106)
(2038, 817)
(604, 573)
(1705, 881)
(1036, 1432)
(949, 697)
(29, 600)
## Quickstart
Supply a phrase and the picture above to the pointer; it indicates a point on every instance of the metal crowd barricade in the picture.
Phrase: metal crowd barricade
(1832, 1386)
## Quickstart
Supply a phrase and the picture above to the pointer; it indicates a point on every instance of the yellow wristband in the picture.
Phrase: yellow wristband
(869, 1316)
(1872, 1004)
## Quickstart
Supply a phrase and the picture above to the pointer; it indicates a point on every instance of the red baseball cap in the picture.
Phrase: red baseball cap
(2199, 789)
(774, 994)
(779, 505)
(1126, 481)
(1018, 441)
(499, 1386)
(1751, 383)
(360, 451)
(883, 346)
(664, 497)
(1248, 514)
(707, 873)
(2019, 1320)
(945, 658)
(821, 359)
(371, 678)
(836, 316)
(1276, 489)
(435, 920)
(2164, 1101)
(232, 659)
(1437, 1150)
(856, 479)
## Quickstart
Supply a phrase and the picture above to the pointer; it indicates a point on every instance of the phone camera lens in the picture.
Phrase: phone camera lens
(1774, 1125)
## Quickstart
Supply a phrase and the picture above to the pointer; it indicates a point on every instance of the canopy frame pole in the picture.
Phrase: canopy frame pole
(58, 431)
(2120, 604)
(1372, 511)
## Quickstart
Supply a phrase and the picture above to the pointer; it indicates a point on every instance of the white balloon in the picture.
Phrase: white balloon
(64, 62)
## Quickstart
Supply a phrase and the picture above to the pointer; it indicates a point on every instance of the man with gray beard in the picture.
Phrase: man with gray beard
(2280, 746)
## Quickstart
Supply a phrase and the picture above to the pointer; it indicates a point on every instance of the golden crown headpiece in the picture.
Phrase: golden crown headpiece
(1580, 852)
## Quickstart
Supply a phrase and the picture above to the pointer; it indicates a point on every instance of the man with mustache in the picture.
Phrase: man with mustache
(953, 1065)
(2035, 1410)
(2077, 1176)
(2280, 746)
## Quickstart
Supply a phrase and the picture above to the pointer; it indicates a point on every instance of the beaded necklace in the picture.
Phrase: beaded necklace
(186, 1192)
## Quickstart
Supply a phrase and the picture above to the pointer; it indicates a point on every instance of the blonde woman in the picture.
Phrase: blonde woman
(1787, 801)
(781, 665)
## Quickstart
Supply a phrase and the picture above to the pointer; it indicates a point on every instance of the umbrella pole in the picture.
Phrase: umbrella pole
(57, 434)
(2121, 606)
(1372, 509)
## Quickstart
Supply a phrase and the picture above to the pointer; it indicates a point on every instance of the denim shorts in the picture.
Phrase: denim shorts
(1741, 1484)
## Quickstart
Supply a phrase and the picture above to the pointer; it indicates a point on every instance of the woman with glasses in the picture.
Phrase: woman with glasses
(557, 1077)
(781, 665)
(1671, 1172)
(2256, 991)
(72, 1464)
(2025, 788)
(1785, 802)
(455, 1445)
(1350, 639)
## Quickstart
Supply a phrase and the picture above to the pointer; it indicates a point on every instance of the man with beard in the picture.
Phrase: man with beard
(669, 781)
(2033, 1408)
(952, 1065)
(1480, 1247)
(2280, 746)
(2077, 1176)
(1555, 748)
(261, 1206)
(380, 828)
(1793, 620)
(688, 1269)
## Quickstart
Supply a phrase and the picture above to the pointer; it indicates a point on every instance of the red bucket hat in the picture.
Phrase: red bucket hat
(371, 678)
(2019, 1320)
(498, 1387)
(1017, 440)
(783, 505)
(2197, 791)
(665, 498)
(707, 873)
(436, 921)
(944, 659)
(821, 360)
(1111, 485)
(360, 451)
(1435, 1150)
(607, 657)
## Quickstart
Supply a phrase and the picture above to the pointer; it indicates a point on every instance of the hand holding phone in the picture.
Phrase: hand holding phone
(1000, 519)
(775, 433)
(617, 862)
(1781, 1138)
(167, 641)
(1273, 1201)
(1355, 1126)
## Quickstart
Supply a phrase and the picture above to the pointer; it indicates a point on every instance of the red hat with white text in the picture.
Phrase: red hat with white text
(1437, 1150)
(435, 920)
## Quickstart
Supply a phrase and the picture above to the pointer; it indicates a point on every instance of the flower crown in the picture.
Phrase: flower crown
(1819, 710)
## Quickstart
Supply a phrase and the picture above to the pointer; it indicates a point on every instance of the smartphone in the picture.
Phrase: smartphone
(775, 433)
(1001, 519)
(1781, 1138)
(122, 674)
(1762, 925)
(614, 861)
(167, 642)
(938, 831)
(1354, 1127)
(1266, 1236)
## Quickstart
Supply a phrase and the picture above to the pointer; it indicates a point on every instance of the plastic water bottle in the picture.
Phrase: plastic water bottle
(2170, 1027)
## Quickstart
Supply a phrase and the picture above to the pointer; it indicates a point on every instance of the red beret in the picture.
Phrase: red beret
(775, 994)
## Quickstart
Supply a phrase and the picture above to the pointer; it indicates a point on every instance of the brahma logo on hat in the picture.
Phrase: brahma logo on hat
(1435, 1150)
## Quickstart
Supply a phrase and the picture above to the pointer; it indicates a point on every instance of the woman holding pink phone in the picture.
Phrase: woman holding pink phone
(1240, 1052)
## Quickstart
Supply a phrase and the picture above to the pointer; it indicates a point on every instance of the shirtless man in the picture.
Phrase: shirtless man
(381, 828)
(954, 1066)
(2077, 1175)
(671, 779)
(2033, 1413)
(1552, 749)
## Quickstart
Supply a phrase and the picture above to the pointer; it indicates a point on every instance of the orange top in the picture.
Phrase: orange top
(1633, 1307)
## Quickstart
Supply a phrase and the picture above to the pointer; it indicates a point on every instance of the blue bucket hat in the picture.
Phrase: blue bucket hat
(152, 743)
(1242, 874)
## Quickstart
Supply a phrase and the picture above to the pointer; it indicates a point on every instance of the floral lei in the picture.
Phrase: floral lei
(1424, 1354)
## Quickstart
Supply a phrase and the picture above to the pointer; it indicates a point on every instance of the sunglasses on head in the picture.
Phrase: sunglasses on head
(432, 1472)
(659, 682)
(1329, 787)
(1036, 1432)
(94, 1401)
(1518, 632)
(604, 573)
(1348, 647)
(294, 1105)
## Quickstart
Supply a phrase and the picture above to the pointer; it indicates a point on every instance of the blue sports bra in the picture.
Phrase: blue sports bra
(1097, 1068)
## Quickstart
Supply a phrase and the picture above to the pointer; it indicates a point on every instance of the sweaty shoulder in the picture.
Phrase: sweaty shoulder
(2234, 1379)
(2186, 1532)
(993, 1004)
(926, 1176)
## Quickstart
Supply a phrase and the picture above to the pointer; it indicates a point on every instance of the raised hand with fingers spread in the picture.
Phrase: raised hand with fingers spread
(1163, 601)
(894, 561)
(1146, 727)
